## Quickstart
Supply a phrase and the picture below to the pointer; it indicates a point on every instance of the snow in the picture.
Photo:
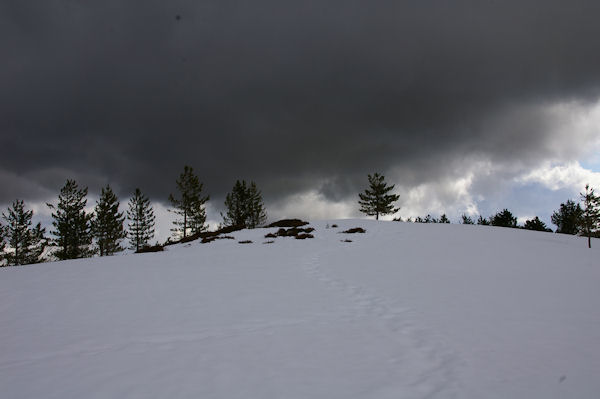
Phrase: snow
(403, 311)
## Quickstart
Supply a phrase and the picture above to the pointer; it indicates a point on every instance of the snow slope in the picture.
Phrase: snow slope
(403, 311)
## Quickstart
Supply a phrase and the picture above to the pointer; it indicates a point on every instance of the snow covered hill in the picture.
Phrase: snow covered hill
(403, 311)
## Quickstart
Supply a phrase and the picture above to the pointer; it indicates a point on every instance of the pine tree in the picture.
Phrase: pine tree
(567, 218)
(107, 224)
(429, 219)
(244, 206)
(258, 213)
(375, 200)
(536, 224)
(444, 219)
(72, 223)
(504, 219)
(190, 206)
(2, 244)
(236, 203)
(141, 221)
(467, 219)
(26, 244)
(590, 217)
(482, 221)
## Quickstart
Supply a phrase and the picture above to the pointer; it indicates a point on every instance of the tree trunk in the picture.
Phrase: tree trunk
(589, 240)
(184, 223)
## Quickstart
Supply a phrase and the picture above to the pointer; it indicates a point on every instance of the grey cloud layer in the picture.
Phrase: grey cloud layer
(287, 94)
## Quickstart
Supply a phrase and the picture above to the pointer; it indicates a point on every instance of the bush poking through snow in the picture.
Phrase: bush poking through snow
(288, 223)
(346, 240)
(354, 230)
(294, 232)
(270, 235)
(208, 234)
(211, 239)
(303, 236)
(245, 242)
(153, 248)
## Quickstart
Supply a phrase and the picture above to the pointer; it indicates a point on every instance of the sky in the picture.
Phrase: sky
(466, 106)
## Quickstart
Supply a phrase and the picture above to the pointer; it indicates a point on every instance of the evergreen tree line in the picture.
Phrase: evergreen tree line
(78, 233)
(570, 218)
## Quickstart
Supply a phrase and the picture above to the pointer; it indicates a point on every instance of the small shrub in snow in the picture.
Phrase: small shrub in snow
(354, 230)
(207, 235)
(245, 242)
(153, 248)
(288, 223)
(212, 238)
(294, 231)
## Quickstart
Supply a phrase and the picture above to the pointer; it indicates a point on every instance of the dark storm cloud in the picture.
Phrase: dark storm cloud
(294, 95)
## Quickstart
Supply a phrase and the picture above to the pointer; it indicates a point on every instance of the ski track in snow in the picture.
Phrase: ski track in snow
(432, 368)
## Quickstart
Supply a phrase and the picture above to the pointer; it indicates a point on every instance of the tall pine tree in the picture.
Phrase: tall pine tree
(258, 213)
(26, 244)
(141, 221)
(375, 200)
(590, 217)
(72, 223)
(567, 218)
(236, 203)
(2, 244)
(189, 205)
(107, 224)
(245, 206)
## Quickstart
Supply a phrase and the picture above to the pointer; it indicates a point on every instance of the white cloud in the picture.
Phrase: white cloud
(570, 175)
(452, 197)
(312, 205)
